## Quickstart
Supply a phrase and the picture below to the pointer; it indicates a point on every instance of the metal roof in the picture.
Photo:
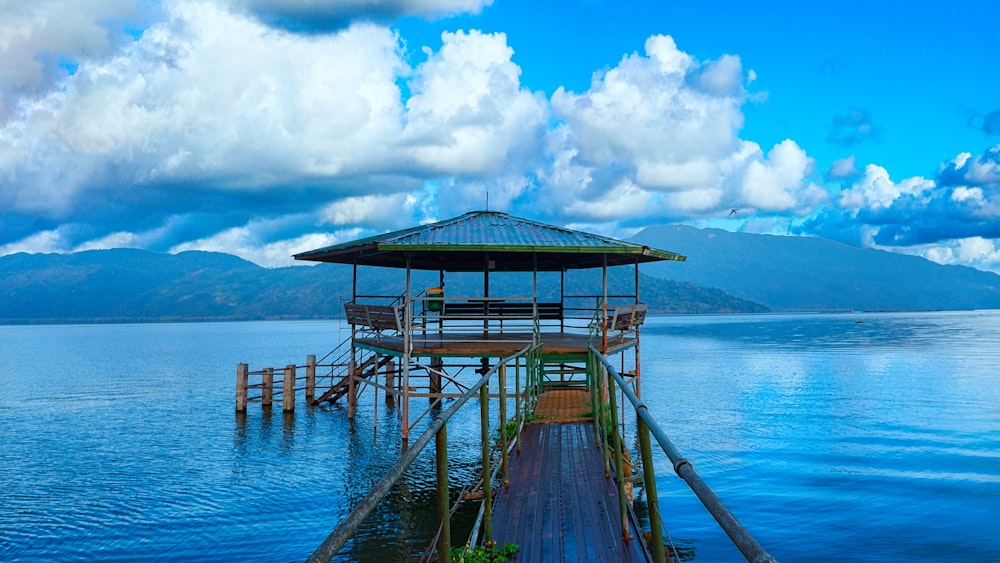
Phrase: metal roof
(510, 244)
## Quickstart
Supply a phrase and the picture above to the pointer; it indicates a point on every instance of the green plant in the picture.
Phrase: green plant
(488, 553)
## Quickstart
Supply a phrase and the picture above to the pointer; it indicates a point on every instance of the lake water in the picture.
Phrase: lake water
(861, 437)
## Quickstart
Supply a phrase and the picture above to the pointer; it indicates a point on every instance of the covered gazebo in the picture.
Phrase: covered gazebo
(430, 335)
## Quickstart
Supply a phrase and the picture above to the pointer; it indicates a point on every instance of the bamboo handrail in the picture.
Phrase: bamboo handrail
(347, 527)
(740, 537)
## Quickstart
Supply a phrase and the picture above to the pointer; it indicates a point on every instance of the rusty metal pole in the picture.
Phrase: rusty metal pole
(652, 501)
(484, 418)
(441, 453)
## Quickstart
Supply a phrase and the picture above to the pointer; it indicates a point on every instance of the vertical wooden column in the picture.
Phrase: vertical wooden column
(242, 381)
(288, 389)
(390, 384)
(267, 388)
(437, 365)
(310, 378)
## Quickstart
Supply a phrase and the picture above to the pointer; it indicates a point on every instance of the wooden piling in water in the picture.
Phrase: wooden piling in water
(288, 389)
(437, 366)
(267, 388)
(310, 378)
(242, 380)
(390, 385)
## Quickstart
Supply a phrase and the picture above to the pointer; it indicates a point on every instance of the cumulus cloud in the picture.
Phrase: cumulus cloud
(42, 40)
(322, 16)
(211, 114)
(843, 168)
(661, 132)
(216, 128)
(941, 218)
(852, 128)
(468, 113)
(972, 251)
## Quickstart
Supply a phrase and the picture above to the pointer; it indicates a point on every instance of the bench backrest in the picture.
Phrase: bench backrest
(627, 317)
(378, 317)
(500, 309)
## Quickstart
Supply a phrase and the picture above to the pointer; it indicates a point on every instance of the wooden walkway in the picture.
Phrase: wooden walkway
(559, 506)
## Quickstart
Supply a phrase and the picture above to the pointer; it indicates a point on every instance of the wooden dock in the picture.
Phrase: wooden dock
(559, 505)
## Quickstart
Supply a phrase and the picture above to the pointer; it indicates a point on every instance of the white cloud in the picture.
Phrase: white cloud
(40, 242)
(665, 122)
(976, 252)
(38, 37)
(645, 108)
(779, 182)
(209, 97)
(968, 195)
(114, 240)
(243, 242)
(373, 211)
(622, 201)
(876, 190)
(468, 113)
(844, 168)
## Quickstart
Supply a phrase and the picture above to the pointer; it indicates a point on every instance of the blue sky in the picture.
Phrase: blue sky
(268, 127)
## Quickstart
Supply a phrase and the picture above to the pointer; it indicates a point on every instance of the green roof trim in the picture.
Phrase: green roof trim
(466, 242)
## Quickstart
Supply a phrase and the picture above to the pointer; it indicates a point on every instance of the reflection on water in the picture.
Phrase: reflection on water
(869, 436)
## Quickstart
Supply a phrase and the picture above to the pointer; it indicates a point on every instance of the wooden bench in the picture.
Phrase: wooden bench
(375, 317)
(499, 310)
(627, 317)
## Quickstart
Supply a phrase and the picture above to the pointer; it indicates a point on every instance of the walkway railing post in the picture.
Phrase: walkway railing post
(619, 459)
(310, 378)
(592, 378)
(484, 414)
(441, 452)
(242, 381)
(502, 374)
(601, 429)
(267, 388)
(652, 501)
(518, 394)
(288, 389)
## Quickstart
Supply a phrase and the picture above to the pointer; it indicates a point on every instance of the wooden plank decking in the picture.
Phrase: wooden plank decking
(559, 506)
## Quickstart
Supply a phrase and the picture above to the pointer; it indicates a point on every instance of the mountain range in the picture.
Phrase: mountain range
(126, 285)
(788, 273)
(724, 273)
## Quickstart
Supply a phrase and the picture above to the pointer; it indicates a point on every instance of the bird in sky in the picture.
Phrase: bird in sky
(732, 212)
